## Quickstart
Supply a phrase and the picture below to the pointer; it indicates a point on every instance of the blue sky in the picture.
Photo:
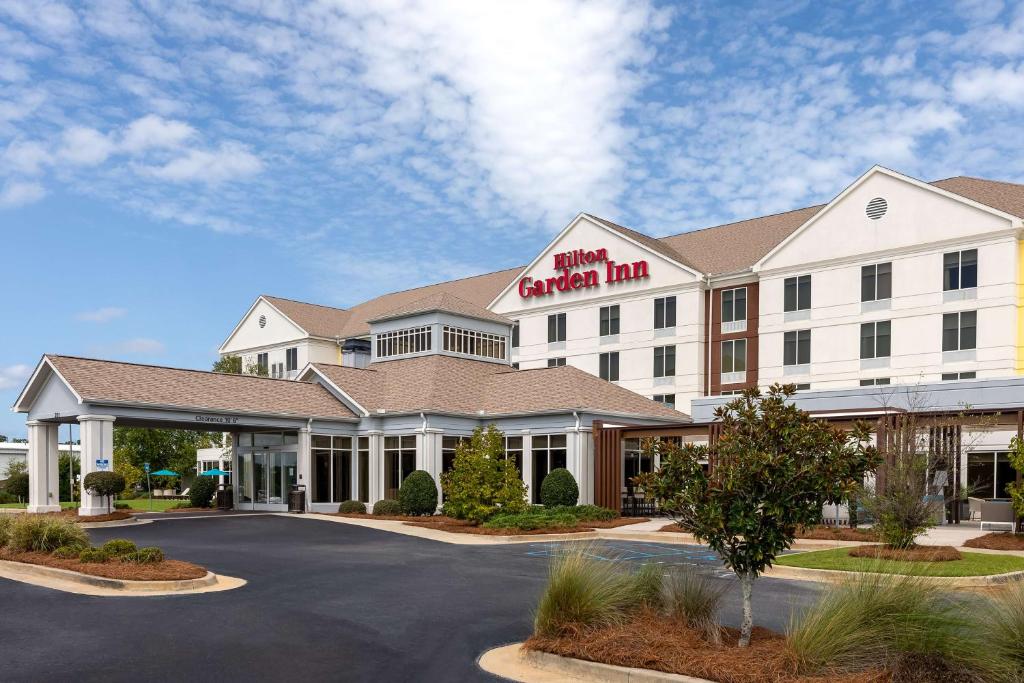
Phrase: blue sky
(162, 166)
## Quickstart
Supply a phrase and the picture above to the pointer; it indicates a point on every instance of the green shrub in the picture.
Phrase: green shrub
(106, 484)
(583, 593)
(6, 522)
(694, 598)
(17, 486)
(67, 552)
(482, 480)
(590, 513)
(352, 506)
(6, 497)
(538, 517)
(122, 506)
(93, 556)
(648, 587)
(559, 488)
(201, 492)
(387, 507)
(147, 555)
(116, 547)
(44, 534)
(418, 494)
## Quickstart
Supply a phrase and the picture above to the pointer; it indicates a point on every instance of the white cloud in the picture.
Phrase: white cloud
(24, 156)
(101, 315)
(53, 19)
(231, 160)
(85, 146)
(16, 193)
(14, 376)
(152, 131)
(987, 85)
(890, 65)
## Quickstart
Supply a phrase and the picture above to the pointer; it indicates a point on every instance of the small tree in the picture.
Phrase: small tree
(229, 364)
(1016, 489)
(17, 486)
(559, 488)
(106, 484)
(902, 509)
(16, 467)
(200, 493)
(483, 480)
(418, 494)
(774, 468)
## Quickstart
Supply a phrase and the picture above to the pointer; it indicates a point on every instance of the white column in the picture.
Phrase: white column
(304, 461)
(428, 456)
(376, 479)
(528, 465)
(97, 434)
(43, 491)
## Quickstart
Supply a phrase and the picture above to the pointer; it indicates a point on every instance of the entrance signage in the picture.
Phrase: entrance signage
(217, 419)
(102, 464)
(568, 280)
(145, 466)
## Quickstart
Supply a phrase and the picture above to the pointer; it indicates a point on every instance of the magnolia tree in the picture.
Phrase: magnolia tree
(774, 468)
(483, 479)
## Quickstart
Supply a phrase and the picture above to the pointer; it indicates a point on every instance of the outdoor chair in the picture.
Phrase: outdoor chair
(974, 509)
(996, 512)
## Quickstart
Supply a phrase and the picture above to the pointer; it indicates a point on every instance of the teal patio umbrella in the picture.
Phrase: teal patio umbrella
(214, 473)
(164, 473)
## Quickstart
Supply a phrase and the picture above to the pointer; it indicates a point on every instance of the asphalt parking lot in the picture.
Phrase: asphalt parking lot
(325, 601)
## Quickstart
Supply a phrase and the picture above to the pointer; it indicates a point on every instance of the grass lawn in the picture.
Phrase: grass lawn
(64, 504)
(142, 504)
(972, 564)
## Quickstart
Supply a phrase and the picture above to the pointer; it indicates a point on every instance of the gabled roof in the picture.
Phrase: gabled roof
(1007, 197)
(316, 320)
(462, 386)
(445, 303)
(658, 246)
(112, 382)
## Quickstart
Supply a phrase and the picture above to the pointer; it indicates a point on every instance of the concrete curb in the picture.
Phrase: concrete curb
(77, 582)
(132, 521)
(835, 575)
(514, 663)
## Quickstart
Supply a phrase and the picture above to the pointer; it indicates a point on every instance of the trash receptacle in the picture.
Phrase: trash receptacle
(297, 498)
(224, 497)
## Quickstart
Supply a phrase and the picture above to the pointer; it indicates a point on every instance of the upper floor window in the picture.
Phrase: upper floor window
(262, 363)
(797, 293)
(876, 282)
(734, 305)
(473, 343)
(960, 270)
(609, 320)
(734, 356)
(875, 340)
(665, 399)
(609, 366)
(959, 331)
(874, 382)
(556, 362)
(664, 361)
(515, 335)
(291, 358)
(954, 376)
(664, 312)
(796, 347)
(556, 327)
(401, 342)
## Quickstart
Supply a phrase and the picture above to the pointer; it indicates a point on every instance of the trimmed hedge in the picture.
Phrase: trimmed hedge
(559, 488)
(66, 552)
(352, 506)
(418, 494)
(147, 555)
(94, 556)
(201, 492)
(117, 547)
(387, 507)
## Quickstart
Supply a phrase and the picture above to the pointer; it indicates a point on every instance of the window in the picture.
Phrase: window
(797, 293)
(635, 462)
(803, 387)
(959, 331)
(515, 335)
(401, 342)
(664, 361)
(609, 366)
(876, 282)
(665, 399)
(514, 451)
(556, 328)
(448, 446)
(549, 453)
(874, 382)
(277, 370)
(332, 469)
(988, 474)
(291, 357)
(364, 468)
(960, 270)
(731, 392)
(473, 343)
(664, 312)
(734, 305)
(556, 362)
(734, 356)
(609, 320)
(955, 376)
(875, 340)
(262, 364)
(399, 462)
(796, 347)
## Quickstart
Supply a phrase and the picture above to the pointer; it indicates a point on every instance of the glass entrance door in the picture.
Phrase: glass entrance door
(273, 475)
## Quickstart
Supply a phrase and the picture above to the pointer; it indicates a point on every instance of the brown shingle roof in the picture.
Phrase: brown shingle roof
(657, 246)
(445, 302)
(459, 385)
(1007, 197)
(318, 321)
(110, 381)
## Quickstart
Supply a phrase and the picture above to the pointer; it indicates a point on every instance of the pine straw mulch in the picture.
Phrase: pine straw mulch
(462, 526)
(72, 514)
(997, 541)
(168, 570)
(650, 641)
(832, 533)
(918, 553)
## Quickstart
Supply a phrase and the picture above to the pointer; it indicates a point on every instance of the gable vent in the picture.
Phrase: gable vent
(263, 321)
(876, 208)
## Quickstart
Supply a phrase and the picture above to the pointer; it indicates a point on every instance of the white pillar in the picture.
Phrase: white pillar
(376, 479)
(43, 491)
(97, 434)
(528, 465)
(304, 460)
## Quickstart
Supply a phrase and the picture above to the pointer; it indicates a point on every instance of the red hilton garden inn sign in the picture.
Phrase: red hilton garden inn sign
(583, 279)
